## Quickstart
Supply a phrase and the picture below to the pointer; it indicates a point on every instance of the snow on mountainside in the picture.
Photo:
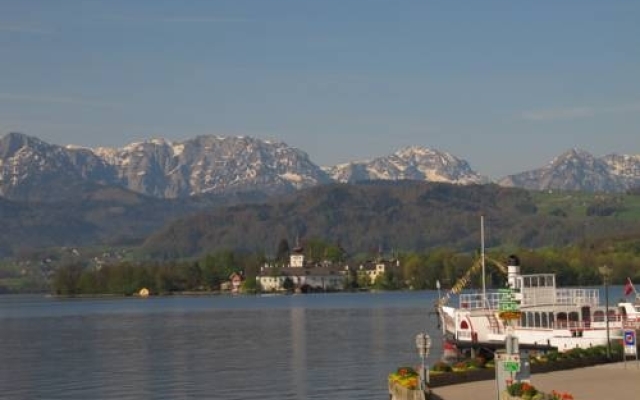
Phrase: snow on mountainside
(31, 169)
(212, 164)
(578, 170)
(417, 163)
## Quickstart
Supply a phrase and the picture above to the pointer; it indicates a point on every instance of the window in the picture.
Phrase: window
(598, 316)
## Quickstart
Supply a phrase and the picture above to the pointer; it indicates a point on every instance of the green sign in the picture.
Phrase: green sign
(507, 302)
(511, 366)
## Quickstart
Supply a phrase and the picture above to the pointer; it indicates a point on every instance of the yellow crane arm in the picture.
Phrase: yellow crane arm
(464, 280)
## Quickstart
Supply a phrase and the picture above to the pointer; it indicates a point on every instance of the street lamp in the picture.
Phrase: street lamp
(423, 343)
(605, 271)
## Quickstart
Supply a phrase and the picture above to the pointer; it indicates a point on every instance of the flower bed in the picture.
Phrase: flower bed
(406, 377)
(474, 370)
(404, 384)
(526, 391)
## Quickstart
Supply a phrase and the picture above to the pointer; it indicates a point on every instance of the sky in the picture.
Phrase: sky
(505, 85)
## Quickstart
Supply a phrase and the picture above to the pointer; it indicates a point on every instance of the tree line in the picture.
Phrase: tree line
(576, 265)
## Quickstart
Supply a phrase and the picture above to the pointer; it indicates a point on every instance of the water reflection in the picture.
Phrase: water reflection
(299, 350)
(339, 346)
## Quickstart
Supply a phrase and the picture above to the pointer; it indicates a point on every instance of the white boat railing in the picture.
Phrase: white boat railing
(532, 297)
(475, 301)
(580, 297)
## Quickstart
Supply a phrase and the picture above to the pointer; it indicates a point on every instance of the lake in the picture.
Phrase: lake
(317, 346)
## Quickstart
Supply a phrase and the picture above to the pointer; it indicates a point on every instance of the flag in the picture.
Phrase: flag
(628, 287)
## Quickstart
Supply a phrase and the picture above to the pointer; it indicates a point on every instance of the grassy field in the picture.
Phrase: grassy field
(576, 205)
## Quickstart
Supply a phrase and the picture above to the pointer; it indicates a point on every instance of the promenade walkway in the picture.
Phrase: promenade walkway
(601, 382)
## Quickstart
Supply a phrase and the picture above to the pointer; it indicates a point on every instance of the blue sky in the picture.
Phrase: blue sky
(505, 85)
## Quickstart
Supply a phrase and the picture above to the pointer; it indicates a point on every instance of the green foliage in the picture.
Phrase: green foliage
(433, 229)
(250, 285)
(389, 280)
(522, 389)
(126, 278)
(441, 366)
(66, 280)
(288, 284)
(553, 356)
(282, 253)
(407, 372)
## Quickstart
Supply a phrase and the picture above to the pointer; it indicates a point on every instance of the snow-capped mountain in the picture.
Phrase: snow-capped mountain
(579, 170)
(208, 164)
(31, 169)
(416, 163)
(159, 168)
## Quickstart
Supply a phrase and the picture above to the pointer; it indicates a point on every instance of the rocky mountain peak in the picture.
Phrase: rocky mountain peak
(33, 169)
(414, 162)
(579, 170)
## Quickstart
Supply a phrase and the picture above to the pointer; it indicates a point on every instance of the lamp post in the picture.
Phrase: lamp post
(605, 271)
(423, 343)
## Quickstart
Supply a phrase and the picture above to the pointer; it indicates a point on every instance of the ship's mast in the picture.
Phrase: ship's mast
(484, 283)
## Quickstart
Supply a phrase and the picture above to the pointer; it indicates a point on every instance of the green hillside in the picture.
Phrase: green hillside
(404, 216)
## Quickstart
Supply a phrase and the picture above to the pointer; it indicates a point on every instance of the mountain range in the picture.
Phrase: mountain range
(183, 198)
(33, 170)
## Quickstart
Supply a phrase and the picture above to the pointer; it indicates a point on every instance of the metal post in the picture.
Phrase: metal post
(606, 272)
(606, 299)
(423, 343)
(484, 283)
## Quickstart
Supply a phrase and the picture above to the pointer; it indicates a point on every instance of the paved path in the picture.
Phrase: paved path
(601, 382)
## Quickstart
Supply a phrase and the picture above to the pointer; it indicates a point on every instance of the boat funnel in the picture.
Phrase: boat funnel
(513, 271)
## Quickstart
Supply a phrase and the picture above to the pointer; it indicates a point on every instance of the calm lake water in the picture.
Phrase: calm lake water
(329, 346)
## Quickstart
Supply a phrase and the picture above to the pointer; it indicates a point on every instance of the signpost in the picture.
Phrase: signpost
(511, 366)
(508, 307)
(507, 301)
(423, 344)
(630, 345)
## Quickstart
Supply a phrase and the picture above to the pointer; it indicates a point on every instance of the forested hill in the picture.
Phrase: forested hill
(402, 216)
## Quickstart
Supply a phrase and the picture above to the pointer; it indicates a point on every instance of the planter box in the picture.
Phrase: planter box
(559, 365)
(506, 396)
(399, 392)
(452, 378)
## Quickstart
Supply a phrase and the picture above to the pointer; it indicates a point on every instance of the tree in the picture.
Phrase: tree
(387, 281)
(250, 285)
(66, 279)
(288, 284)
(283, 252)
(415, 273)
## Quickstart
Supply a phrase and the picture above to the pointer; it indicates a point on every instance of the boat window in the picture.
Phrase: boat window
(545, 322)
(550, 319)
(464, 325)
(550, 281)
(537, 320)
(562, 319)
(523, 319)
(598, 316)
(574, 317)
(530, 319)
(527, 282)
